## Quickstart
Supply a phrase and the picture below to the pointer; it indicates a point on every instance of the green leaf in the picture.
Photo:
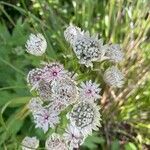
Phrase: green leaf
(19, 101)
(130, 146)
(115, 145)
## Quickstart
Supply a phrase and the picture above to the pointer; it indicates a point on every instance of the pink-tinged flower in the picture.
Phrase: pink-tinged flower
(34, 77)
(46, 118)
(89, 91)
(30, 143)
(53, 71)
(73, 137)
(55, 142)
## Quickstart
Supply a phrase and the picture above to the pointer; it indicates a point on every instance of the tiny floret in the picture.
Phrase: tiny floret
(36, 44)
(114, 77)
(30, 143)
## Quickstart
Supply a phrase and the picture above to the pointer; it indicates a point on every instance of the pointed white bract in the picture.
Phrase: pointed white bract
(86, 117)
(73, 137)
(46, 118)
(30, 143)
(114, 77)
(114, 53)
(36, 44)
(56, 142)
(89, 91)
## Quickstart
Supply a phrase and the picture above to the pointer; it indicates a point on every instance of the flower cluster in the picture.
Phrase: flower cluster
(89, 49)
(58, 89)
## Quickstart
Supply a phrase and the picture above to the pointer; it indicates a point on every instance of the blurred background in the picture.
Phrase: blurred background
(125, 111)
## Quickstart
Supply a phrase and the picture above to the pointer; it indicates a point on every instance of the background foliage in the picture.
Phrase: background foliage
(125, 112)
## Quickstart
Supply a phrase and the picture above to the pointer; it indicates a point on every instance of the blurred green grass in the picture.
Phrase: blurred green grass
(125, 111)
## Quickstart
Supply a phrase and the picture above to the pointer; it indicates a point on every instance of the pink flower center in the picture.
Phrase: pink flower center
(38, 78)
(46, 117)
(89, 91)
(54, 73)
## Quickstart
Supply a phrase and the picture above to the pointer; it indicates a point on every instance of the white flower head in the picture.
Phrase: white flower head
(53, 71)
(71, 33)
(114, 53)
(88, 49)
(89, 91)
(73, 137)
(35, 104)
(55, 142)
(46, 118)
(114, 77)
(36, 44)
(86, 117)
(44, 90)
(34, 77)
(30, 143)
(65, 90)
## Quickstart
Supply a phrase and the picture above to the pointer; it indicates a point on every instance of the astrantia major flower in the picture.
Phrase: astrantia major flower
(89, 91)
(114, 53)
(88, 49)
(34, 77)
(36, 44)
(65, 90)
(46, 118)
(35, 104)
(85, 116)
(55, 142)
(53, 71)
(73, 137)
(114, 77)
(30, 143)
(71, 33)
